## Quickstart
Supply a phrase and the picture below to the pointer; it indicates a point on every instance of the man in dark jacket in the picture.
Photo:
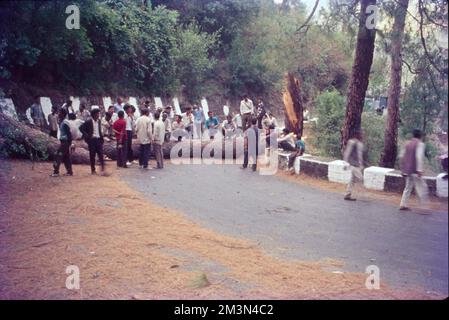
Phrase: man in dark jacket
(93, 135)
(412, 168)
(63, 153)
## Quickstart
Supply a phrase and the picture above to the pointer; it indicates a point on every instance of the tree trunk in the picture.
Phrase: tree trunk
(32, 138)
(360, 75)
(390, 153)
(23, 134)
(294, 110)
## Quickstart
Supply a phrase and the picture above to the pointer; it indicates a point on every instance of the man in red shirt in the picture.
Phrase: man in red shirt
(119, 128)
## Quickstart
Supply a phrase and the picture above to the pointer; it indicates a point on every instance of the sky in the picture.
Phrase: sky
(310, 3)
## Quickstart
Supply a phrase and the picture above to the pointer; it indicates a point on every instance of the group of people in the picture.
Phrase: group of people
(152, 129)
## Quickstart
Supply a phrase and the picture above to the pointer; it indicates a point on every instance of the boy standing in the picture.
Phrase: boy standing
(119, 128)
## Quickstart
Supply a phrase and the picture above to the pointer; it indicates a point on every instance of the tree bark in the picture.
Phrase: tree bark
(29, 137)
(294, 107)
(360, 75)
(388, 159)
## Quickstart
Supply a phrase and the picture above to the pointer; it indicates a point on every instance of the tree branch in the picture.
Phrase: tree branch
(423, 40)
(306, 23)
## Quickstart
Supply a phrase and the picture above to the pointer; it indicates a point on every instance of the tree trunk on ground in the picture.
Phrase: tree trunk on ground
(390, 153)
(33, 139)
(294, 109)
(28, 136)
(360, 75)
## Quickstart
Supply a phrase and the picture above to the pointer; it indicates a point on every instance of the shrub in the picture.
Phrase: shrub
(330, 111)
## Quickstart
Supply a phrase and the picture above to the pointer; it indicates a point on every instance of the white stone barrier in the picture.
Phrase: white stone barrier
(374, 178)
(337, 172)
(442, 186)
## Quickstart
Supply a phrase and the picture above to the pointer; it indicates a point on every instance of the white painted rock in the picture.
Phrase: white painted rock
(442, 186)
(337, 172)
(107, 102)
(374, 177)
(46, 106)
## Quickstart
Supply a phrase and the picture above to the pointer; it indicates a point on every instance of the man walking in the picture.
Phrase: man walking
(63, 152)
(158, 137)
(246, 110)
(93, 135)
(145, 137)
(412, 167)
(354, 156)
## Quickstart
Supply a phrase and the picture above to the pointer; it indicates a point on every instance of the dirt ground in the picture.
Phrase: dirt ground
(128, 248)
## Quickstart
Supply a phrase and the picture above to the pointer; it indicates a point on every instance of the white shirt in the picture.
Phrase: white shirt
(96, 133)
(75, 128)
(129, 123)
(246, 107)
(144, 130)
(159, 132)
(187, 119)
(238, 120)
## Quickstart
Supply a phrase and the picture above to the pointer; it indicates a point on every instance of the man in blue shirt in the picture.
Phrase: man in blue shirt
(212, 124)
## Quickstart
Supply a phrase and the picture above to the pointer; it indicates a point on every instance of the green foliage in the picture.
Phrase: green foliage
(194, 59)
(330, 110)
(10, 147)
(120, 46)
(269, 47)
(373, 136)
(423, 106)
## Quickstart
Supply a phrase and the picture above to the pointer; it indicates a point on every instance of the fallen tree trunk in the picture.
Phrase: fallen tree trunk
(18, 133)
(22, 140)
(184, 149)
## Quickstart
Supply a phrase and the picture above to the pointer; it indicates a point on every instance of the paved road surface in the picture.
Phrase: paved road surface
(295, 221)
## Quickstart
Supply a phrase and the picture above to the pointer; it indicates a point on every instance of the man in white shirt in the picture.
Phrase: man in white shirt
(246, 110)
(354, 157)
(74, 125)
(158, 137)
(228, 127)
(412, 167)
(144, 136)
(168, 127)
(130, 127)
(188, 119)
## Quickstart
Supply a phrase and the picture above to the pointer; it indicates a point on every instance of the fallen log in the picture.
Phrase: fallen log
(20, 139)
(31, 138)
